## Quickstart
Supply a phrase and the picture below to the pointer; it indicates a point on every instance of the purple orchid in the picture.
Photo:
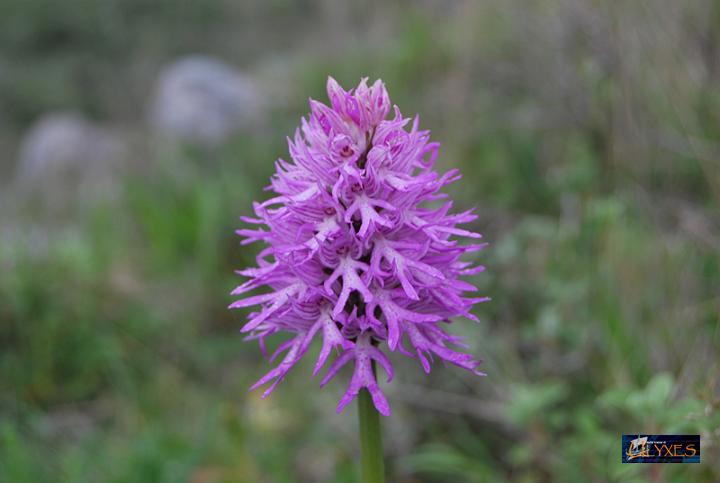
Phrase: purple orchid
(354, 250)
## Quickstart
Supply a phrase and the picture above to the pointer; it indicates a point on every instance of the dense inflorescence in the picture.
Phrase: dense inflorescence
(357, 252)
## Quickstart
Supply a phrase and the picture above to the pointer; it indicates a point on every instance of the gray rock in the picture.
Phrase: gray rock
(65, 156)
(203, 100)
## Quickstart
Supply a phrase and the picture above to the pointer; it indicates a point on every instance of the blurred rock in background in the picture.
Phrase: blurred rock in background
(64, 157)
(204, 101)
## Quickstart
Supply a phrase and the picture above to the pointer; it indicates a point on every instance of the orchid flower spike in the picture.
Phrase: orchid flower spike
(360, 247)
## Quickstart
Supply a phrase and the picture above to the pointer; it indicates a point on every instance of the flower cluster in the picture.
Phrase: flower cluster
(356, 249)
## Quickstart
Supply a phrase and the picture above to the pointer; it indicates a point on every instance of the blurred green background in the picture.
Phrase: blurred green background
(588, 133)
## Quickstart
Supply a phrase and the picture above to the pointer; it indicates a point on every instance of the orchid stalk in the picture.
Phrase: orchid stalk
(372, 466)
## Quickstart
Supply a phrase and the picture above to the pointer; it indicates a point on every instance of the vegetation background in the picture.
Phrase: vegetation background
(589, 136)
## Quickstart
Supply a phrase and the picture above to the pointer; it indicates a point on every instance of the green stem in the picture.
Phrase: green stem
(371, 452)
